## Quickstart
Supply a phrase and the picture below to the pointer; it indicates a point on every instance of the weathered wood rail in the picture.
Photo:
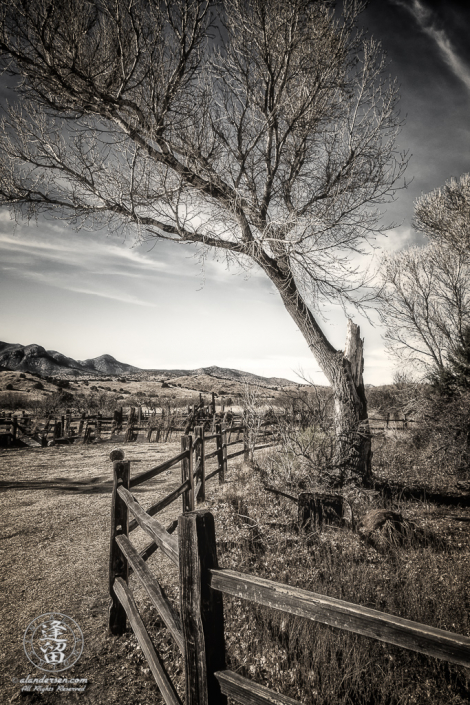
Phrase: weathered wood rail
(126, 560)
(198, 627)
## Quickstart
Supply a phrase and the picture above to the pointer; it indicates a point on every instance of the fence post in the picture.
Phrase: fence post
(68, 418)
(224, 457)
(14, 428)
(118, 567)
(246, 447)
(200, 453)
(220, 452)
(80, 424)
(202, 614)
(98, 426)
(187, 473)
(130, 425)
(57, 429)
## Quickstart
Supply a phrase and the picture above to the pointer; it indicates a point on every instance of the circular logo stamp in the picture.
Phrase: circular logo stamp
(53, 642)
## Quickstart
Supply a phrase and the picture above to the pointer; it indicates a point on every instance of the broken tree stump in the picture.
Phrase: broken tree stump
(317, 509)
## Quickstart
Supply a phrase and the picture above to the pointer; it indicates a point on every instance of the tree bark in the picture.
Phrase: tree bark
(354, 449)
(343, 370)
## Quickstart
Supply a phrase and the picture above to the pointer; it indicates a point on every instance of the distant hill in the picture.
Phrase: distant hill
(223, 373)
(34, 358)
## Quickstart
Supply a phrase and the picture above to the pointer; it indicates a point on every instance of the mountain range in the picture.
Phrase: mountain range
(36, 359)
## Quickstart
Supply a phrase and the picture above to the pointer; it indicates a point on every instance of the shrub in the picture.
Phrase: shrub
(13, 401)
(62, 383)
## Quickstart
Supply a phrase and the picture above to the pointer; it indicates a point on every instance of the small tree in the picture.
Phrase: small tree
(455, 376)
(425, 304)
(444, 214)
(271, 142)
(426, 291)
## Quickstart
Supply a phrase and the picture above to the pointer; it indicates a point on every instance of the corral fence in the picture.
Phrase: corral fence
(138, 424)
(198, 627)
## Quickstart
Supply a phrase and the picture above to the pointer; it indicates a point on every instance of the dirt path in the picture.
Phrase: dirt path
(54, 547)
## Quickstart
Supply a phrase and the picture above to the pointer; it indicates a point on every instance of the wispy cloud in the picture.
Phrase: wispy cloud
(426, 21)
(115, 297)
(83, 264)
(79, 251)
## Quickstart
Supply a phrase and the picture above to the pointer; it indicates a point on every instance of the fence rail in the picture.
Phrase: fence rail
(198, 627)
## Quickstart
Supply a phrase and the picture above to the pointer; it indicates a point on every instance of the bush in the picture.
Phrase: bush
(9, 387)
(38, 385)
(445, 429)
(13, 401)
(62, 383)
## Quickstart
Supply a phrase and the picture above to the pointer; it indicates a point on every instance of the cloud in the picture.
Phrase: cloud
(80, 252)
(426, 21)
(107, 295)
(83, 264)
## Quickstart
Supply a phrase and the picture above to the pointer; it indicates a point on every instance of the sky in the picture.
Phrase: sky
(86, 294)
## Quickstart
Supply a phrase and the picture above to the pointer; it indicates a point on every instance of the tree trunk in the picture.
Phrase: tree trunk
(343, 371)
(354, 448)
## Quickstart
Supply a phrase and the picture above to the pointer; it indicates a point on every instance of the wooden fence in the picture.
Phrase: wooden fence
(198, 627)
(137, 424)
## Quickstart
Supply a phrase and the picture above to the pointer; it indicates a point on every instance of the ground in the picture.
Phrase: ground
(56, 506)
(55, 545)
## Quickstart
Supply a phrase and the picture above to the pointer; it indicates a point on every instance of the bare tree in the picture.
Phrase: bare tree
(444, 214)
(425, 304)
(264, 129)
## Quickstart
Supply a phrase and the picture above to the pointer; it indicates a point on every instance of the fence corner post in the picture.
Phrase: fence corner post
(202, 614)
(118, 566)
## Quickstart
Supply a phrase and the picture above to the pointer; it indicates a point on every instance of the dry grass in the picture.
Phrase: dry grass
(420, 577)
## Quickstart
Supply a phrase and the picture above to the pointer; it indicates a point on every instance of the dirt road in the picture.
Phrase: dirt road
(54, 549)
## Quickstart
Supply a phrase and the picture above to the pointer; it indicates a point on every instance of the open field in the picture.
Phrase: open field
(20, 390)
